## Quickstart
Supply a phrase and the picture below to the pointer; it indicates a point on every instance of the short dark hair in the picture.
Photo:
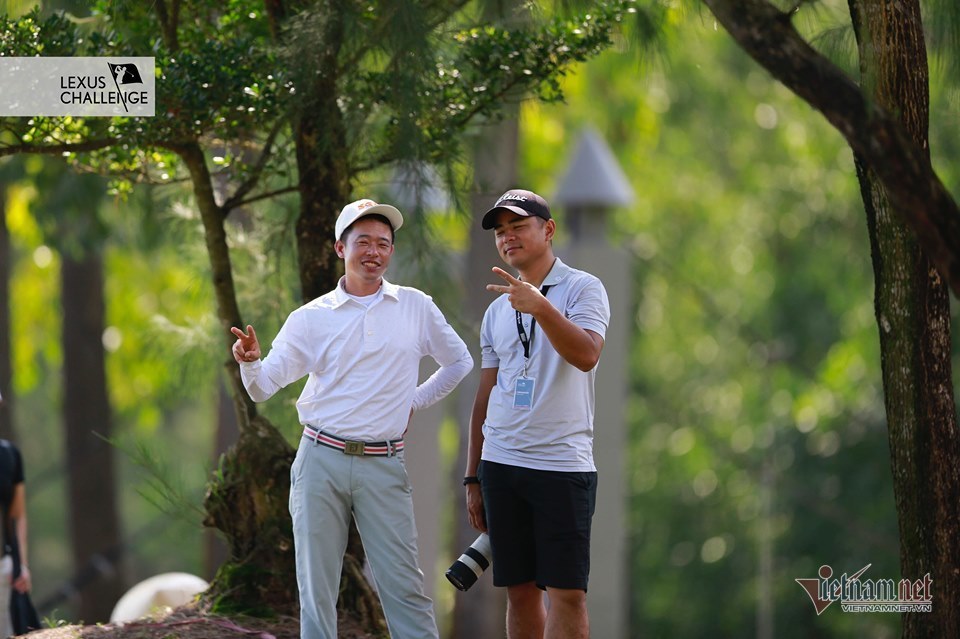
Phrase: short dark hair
(373, 216)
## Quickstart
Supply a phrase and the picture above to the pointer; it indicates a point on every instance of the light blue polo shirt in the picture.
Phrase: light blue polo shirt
(557, 432)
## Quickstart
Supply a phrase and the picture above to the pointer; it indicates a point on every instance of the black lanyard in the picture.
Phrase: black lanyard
(527, 341)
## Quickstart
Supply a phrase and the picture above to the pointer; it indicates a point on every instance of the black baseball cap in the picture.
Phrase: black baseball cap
(519, 201)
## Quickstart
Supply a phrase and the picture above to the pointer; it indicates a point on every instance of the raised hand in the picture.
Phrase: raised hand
(246, 348)
(523, 296)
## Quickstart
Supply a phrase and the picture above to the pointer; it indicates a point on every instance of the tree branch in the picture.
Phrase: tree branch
(228, 310)
(443, 10)
(904, 169)
(56, 149)
(265, 196)
(234, 200)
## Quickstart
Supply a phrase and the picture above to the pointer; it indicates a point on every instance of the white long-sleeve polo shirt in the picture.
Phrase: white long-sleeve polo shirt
(362, 362)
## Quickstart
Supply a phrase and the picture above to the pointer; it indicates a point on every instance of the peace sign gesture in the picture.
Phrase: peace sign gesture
(523, 296)
(246, 348)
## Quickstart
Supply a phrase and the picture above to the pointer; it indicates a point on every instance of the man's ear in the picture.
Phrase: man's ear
(338, 247)
(550, 229)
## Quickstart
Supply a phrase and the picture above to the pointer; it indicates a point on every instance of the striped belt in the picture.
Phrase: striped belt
(381, 449)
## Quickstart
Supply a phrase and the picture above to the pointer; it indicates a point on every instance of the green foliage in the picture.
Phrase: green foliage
(404, 92)
(35, 34)
(943, 22)
(163, 488)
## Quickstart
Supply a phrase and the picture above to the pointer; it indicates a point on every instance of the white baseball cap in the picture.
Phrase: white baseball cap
(361, 208)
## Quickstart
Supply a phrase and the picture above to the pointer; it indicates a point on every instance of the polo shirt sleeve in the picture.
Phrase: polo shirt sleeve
(287, 361)
(589, 308)
(443, 344)
(488, 356)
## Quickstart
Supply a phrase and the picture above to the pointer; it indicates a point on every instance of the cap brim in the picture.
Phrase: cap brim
(490, 216)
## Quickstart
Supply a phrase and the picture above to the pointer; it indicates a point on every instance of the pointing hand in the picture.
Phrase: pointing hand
(523, 296)
(246, 348)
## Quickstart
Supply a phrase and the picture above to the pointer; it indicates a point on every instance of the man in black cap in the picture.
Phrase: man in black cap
(530, 476)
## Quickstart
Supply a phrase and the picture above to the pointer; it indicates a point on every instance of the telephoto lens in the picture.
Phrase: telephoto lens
(465, 571)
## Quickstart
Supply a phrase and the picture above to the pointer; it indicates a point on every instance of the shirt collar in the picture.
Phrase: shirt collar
(558, 271)
(340, 296)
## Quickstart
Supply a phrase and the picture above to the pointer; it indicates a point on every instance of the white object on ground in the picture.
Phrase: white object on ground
(169, 589)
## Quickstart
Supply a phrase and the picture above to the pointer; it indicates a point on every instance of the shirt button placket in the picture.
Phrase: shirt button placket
(367, 331)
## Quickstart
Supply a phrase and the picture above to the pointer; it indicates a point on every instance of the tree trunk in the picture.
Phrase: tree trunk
(221, 271)
(247, 498)
(247, 501)
(913, 315)
(324, 190)
(227, 429)
(6, 371)
(93, 514)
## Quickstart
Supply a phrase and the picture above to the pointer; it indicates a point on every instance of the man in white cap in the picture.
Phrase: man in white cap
(360, 346)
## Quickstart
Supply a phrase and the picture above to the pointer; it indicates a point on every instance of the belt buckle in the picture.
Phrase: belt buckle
(353, 448)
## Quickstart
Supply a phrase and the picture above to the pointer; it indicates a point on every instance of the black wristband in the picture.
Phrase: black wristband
(472, 479)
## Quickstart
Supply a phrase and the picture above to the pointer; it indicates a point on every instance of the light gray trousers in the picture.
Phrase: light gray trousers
(326, 488)
(6, 574)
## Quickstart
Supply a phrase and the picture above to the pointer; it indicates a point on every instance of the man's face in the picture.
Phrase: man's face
(521, 240)
(366, 248)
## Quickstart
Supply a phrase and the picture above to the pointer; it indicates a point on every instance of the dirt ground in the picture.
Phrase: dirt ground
(188, 623)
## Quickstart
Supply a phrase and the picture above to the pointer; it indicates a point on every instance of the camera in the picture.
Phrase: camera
(467, 569)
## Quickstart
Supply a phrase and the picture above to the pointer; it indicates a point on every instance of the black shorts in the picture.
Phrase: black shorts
(539, 524)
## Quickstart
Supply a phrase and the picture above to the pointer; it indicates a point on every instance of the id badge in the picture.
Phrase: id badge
(523, 393)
